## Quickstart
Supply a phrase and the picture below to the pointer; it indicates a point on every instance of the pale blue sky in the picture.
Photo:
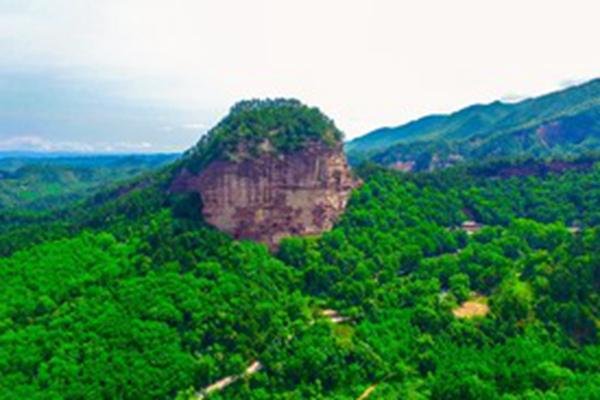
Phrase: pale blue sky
(145, 75)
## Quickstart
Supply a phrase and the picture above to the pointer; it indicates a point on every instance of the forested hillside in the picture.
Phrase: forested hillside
(564, 123)
(36, 182)
(133, 296)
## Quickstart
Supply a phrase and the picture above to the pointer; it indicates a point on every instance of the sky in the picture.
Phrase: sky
(153, 75)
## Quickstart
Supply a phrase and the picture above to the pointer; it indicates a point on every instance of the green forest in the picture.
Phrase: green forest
(130, 295)
(254, 127)
(299, 200)
(38, 183)
(562, 123)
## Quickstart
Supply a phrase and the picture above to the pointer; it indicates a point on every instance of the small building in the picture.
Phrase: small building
(471, 227)
(333, 316)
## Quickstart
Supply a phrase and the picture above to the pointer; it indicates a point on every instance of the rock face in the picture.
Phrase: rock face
(273, 195)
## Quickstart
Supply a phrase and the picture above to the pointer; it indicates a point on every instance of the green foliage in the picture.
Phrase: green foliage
(563, 123)
(460, 285)
(42, 183)
(253, 127)
(130, 295)
(95, 317)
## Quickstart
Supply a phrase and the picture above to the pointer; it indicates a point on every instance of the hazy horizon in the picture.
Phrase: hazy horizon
(129, 76)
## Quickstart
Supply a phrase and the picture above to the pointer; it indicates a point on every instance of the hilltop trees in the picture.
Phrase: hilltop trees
(277, 125)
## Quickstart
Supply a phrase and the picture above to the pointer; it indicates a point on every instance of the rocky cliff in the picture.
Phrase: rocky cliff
(265, 195)
(273, 196)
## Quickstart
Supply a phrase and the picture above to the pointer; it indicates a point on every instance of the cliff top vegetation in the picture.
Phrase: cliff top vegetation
(255, 127)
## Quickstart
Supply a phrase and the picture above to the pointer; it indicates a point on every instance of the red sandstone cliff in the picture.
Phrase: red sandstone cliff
(273, 195)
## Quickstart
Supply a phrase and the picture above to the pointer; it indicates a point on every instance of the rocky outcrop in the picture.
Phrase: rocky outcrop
(275, 194)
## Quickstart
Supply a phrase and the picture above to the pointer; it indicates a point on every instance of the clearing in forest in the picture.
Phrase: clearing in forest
(476, 307)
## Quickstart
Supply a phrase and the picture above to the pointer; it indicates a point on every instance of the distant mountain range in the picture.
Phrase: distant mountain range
(561, 123)
(42, 181)
(82, 157)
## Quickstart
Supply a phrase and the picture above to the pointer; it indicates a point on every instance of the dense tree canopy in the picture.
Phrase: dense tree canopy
(134, 297)
(253, 127)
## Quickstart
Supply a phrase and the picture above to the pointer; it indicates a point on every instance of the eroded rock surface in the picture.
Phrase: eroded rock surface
(273, 195)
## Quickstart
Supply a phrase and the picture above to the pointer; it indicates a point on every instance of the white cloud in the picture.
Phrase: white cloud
(566, 83)
(367, 64)
(194, 126)
(132, 146)
(512, 98)
(37, 143)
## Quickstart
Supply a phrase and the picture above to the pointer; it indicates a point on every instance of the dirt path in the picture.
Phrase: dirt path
(223, 383)
(367, 392)
(331, 315)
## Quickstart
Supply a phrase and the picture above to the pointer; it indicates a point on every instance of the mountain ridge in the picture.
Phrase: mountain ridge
(467, 130)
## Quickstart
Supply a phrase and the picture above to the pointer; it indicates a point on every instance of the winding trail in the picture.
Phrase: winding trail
(332, 315)
(367, 392)
(223, 383)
